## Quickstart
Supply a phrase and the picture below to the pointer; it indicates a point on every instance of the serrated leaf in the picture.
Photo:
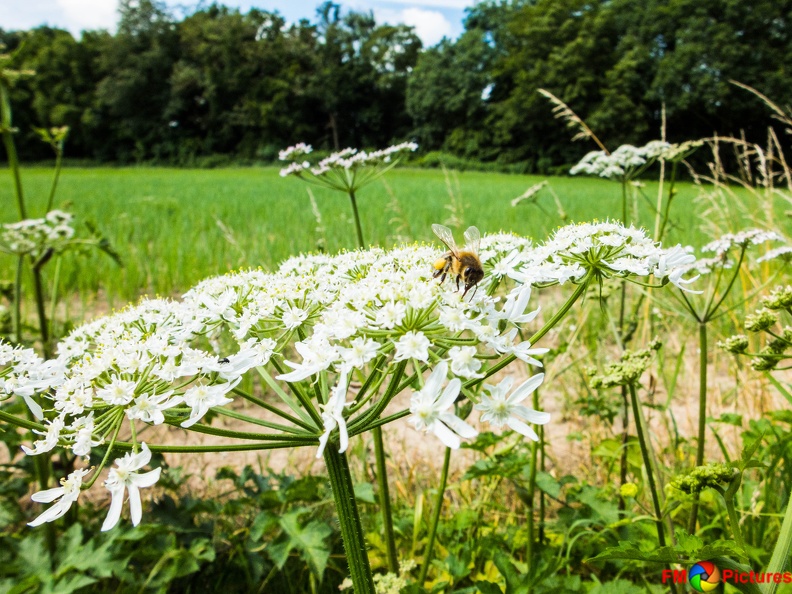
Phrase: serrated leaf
(628, 551)
(719, 548)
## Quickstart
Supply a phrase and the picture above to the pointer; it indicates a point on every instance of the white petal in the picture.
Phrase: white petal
(435, 380)
(449, 394)
(114, 513)
(135, 509)
(531, 415)
(34, 407)
(522, 428)
(142, 458)
(444, 434)
(48, 496)
(458, 425)
(56, 511)
(343, 437)
(322, 443)
(146, 479)
(526, 388)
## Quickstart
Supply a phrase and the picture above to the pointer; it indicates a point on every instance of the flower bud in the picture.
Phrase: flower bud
(736, 344)
(760, 321)
(628, 490)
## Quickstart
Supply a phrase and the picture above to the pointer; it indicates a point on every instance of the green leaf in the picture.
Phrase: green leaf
(262, 523)
(548, 484)
(309, 540)
(364, 492)
(488, 588)
(628, 550)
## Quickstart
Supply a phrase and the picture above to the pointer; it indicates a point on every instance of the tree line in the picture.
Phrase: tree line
(244, 85)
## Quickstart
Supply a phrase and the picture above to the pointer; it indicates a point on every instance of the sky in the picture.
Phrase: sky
(432, 19)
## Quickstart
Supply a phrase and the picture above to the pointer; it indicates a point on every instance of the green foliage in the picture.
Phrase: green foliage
(223, 85)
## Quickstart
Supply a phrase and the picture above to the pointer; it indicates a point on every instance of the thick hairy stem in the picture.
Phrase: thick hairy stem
(18, 301)
(702, 420)
(349, 519)
(532, 494)
(38, 288)
(435, 518)
(625, 443)
(357, 219)
(650, 478)
(385, 504)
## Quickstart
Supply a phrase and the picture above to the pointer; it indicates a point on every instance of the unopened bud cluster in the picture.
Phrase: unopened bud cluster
(628, 369)
(703, 477)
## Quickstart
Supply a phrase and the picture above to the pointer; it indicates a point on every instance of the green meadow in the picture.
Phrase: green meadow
(174, 227)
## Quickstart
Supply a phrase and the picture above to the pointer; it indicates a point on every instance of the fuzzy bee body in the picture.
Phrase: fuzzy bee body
(464, 263)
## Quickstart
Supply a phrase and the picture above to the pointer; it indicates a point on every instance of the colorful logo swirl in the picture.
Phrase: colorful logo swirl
(704, 576)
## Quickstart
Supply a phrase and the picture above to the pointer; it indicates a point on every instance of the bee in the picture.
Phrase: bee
(464, 263)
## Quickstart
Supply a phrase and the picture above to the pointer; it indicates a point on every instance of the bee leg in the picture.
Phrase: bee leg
(458, 284)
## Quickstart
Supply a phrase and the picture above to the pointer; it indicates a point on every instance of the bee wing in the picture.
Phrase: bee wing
(445, 235)
(472, 239)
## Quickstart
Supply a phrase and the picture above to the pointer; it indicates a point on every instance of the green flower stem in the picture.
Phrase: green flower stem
(8, 141)
(427, 560)
(376, 410)
(385, 503)
(559, 315)
(728, 498)
(54, 296)
(710, 311)
(300, 405)
(273, 409)
(247, 435)
(202, 449)
(702, 420)
(357, 219)
(671, 194)
(349, 519)
(18, 301)
(262, 423)
(379, 422)
(782, 548)
(55, 178)
(119, 418)
(529, 553)
(38, 289)
(639, 429)
(20, 422)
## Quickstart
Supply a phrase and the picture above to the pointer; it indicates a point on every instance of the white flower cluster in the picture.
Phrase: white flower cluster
(23, 373)
(724, 248)
(783, 253)
(742, 239)
(34, 236)
(623, 163)
(294, 152)
(608, 248)
(311, 328)
(348, 159)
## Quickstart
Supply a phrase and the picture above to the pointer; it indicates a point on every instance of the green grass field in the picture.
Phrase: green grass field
(168, 224)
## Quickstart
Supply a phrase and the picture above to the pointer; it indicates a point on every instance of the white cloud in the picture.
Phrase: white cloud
(430, 25)
(88, 14)
(456, 4)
